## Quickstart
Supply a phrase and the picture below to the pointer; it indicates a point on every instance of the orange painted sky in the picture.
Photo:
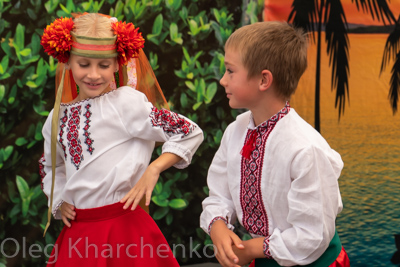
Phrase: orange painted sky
(280, 9)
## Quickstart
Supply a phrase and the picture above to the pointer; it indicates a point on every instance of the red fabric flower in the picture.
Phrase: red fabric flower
(129, 41)
(57, 40)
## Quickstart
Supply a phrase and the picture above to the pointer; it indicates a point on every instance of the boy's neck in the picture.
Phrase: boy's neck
(269, 107)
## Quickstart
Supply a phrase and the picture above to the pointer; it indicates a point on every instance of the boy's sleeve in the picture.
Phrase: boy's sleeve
(180, 135)
(218, 205)
(46, 171)
(314, 202)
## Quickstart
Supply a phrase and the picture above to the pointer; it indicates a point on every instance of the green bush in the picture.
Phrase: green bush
(184, 43)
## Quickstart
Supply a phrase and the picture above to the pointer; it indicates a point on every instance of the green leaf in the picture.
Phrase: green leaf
(65, 9)
(210, 93)
(2, 91)
(197, 105)
(38, 132)
(169, 219)
(184, 100)
(19, 39)
(23, 187)
(160, 201)
(190, 85)
(206, 190)
(4, 64)
(25, 52)
(158, 188)
(157, 26)
(194, 29)
(189, 75)
(173, 31)
(178, 203)
(13, 93)
(7, 152)
(21, 141)
(160, 213)
(31, 84)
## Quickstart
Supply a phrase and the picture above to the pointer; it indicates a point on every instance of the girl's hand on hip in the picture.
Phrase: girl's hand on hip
(67, 213)
(144, 186)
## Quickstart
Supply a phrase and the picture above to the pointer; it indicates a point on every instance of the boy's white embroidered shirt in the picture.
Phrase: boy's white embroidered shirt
(293, 197)
(105, 145)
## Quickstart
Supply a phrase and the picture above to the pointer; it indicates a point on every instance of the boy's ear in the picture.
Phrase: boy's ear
(266, 80)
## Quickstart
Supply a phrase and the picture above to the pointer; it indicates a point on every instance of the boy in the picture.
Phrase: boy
(273, 172)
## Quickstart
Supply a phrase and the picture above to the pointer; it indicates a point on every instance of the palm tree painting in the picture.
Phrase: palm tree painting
(315, 16)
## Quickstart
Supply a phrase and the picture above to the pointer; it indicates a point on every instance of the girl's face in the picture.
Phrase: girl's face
(92, 75)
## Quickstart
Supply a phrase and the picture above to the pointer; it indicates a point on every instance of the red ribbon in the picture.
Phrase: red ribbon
(250, 145)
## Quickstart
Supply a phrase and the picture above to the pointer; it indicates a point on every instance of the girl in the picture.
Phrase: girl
(98, 145)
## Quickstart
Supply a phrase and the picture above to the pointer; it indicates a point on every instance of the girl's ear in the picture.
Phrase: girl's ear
(66, 66)
(266, 80)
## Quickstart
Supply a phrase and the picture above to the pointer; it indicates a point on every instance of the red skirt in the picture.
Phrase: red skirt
(112, 236)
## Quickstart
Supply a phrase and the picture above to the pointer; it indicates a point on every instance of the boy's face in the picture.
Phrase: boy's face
(241, 91)
(92, 75)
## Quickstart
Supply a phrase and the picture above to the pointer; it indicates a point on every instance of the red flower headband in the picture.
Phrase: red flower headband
(57, 40)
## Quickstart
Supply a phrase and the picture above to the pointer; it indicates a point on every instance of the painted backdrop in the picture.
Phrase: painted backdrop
(367, 136)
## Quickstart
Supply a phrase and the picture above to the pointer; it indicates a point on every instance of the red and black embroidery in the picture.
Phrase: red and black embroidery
(74, 144)
(170, 122)
(86, 133)
(255, 218)
(214, 220)
(63, 120)
(42, 173)
(267, 252)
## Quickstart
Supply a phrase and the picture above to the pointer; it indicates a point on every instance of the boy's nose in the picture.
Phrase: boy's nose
(222, 81)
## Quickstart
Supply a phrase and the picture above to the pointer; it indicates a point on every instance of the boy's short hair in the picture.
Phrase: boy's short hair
(274, 46)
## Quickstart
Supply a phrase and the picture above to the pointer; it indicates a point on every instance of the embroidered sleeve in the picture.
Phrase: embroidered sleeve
(56, 211)
(216, 219)
(266, 250)
(141, 119)
(42, 172)
(170, 122)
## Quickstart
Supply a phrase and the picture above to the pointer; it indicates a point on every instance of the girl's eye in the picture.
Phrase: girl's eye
(104, 66)
(229, 71)
(83, 65)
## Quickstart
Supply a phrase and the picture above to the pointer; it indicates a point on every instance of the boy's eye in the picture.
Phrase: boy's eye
(229, 71)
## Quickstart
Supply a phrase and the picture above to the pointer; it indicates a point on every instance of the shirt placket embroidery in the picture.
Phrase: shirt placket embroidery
(255, 219)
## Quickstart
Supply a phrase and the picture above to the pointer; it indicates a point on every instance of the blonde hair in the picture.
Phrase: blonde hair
(93, 25)
(274, 46)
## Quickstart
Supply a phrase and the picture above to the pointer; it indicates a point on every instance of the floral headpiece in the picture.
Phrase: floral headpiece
(59, 41)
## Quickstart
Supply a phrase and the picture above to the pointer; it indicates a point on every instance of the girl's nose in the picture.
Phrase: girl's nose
(94, 73)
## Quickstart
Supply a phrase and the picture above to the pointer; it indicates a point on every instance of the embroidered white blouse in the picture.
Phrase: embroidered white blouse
(105, 145)
(287, 191)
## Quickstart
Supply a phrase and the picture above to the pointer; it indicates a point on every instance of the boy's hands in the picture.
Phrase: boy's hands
(67, 213)
(144, 186)
(225, 240)
(244, 254)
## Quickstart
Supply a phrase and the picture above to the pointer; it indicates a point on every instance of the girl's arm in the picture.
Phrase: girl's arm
(46, 170)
